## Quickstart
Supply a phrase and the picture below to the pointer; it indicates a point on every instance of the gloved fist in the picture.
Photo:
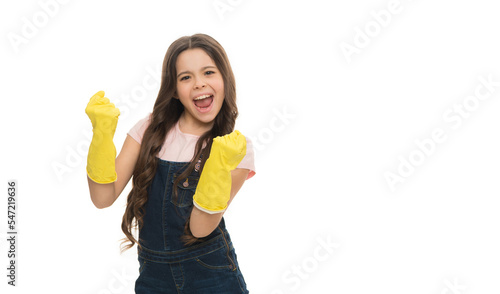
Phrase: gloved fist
(102, 113)
(232, 148)
(214, 187)
(102, 151)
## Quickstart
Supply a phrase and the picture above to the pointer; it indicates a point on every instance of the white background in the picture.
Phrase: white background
(328, 126)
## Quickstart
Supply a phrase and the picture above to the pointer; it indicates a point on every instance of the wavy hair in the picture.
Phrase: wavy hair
(166, 112)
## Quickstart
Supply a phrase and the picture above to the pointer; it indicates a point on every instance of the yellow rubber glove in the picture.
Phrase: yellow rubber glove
(214, 187)
(102, 151)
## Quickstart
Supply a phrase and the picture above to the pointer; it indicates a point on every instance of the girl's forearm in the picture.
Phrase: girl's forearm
(202, 223)
(102, 195)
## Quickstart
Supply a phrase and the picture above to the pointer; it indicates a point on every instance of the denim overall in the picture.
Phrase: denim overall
(166, 265)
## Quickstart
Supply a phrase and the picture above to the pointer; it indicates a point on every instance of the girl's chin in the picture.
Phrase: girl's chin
(203, 118)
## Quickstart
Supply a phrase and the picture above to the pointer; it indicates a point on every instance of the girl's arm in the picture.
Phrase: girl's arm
(202, 223)
(104, 195)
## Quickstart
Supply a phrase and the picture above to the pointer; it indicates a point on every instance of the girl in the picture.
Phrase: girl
(187, 165)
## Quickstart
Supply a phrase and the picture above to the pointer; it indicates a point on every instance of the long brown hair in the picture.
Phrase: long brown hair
(166, 112)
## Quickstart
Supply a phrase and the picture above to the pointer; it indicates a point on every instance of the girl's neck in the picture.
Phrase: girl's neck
(192, 127)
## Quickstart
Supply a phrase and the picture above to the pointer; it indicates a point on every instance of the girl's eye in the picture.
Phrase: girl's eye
(209, 72)
(184, 78)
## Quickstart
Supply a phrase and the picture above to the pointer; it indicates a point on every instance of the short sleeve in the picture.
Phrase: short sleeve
(248, 161)
(137, 131)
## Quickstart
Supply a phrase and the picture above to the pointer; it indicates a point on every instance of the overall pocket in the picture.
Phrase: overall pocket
(216, 260)
(142, 264)
(185, 190)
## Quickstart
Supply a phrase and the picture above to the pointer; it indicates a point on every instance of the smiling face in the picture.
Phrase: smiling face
(200, 89)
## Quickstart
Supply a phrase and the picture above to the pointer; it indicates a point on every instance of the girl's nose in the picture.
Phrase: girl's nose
(199, 83)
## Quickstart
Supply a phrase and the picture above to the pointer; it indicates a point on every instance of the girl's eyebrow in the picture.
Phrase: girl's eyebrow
(203, 68)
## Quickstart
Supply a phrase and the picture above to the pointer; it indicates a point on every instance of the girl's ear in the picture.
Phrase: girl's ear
(175, 95)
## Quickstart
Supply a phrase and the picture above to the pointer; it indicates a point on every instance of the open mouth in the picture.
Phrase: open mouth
(203, 102)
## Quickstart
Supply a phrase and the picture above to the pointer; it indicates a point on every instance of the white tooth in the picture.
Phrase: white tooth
(202, 97)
